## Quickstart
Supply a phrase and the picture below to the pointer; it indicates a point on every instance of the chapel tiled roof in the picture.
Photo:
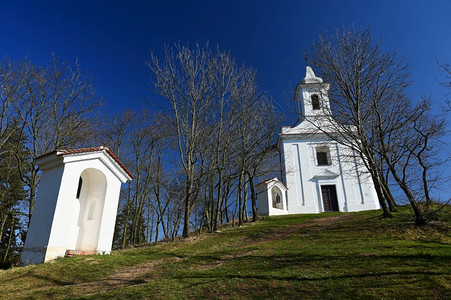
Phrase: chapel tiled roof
(87, 150)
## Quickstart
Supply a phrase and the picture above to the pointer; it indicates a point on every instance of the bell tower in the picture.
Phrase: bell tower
(312, 97)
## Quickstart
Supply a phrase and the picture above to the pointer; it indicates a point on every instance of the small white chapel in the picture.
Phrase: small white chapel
(76, 204)
(317, 173)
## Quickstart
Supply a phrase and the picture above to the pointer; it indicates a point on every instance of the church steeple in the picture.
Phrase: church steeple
(310, 76)
(312, 96)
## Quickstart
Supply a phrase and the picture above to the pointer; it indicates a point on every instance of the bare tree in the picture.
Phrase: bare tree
(374, 116)
(8, 97)
(42, 108)
(446, 67)
(256, 133)
(55, 108)
(209, 95)
(141, 138)
(114, 132)
(12, 194)
(363, 79)
(184, 77)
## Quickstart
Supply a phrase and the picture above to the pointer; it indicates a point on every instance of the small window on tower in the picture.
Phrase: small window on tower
(315, 102)
(323, 156)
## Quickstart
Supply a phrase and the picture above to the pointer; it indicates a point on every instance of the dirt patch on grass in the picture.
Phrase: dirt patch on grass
(128, 276)
(314, 226)
(319, 224)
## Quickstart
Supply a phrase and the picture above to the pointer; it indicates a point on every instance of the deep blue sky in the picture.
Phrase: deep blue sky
(112, 39)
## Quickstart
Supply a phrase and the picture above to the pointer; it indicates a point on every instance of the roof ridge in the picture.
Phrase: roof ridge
(59, 152)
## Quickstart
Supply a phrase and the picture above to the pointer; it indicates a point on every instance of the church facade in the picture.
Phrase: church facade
(318, 173)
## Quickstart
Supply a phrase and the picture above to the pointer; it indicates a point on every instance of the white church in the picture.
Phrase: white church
(318, 174)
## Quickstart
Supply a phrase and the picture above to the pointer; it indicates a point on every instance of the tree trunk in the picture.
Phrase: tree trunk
(226, 208)
(33, 185)
(127, 216)
(186, 222)
(253, 199)
(245, 197)
(235, 211)
(372, 166)
(419, 218)
(240, 199)
(380, 196)
(11, 233)
(389, 197)
(219, 202)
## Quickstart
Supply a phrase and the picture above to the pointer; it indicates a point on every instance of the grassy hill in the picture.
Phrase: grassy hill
(334, 255)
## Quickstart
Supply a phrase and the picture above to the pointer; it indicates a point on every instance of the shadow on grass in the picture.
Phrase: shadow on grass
(306, 279)
(50, 279)
(358, 266)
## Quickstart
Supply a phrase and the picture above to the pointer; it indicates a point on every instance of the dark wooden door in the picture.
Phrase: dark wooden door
(330, 200)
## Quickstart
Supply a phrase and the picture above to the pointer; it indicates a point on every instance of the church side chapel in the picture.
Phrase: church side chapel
(76, 205)
(318, 174)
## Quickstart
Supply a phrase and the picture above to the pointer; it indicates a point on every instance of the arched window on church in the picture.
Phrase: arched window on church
(276, 198)
(315, 101)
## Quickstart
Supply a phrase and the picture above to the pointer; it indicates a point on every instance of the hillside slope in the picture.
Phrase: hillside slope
(353, 255)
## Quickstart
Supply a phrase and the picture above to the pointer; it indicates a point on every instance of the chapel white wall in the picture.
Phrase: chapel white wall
(55, 225)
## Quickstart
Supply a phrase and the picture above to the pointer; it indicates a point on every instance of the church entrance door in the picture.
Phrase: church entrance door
(330, 201)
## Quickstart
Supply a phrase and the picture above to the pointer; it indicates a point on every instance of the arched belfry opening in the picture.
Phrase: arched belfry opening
(76, 205)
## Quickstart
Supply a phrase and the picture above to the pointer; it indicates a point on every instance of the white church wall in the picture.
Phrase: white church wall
(304, 190)
(293, 176)
(360, 190)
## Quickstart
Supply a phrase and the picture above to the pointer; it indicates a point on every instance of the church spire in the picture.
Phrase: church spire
(310, 76)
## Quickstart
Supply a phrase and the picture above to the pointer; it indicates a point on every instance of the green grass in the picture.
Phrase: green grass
(353, 255)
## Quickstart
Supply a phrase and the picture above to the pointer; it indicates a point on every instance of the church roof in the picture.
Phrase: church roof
(87, 150)
(275, 179)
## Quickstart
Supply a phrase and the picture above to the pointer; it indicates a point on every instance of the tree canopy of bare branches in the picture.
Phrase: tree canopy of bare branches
(42, 108)
(209, 97)
(374, 115)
